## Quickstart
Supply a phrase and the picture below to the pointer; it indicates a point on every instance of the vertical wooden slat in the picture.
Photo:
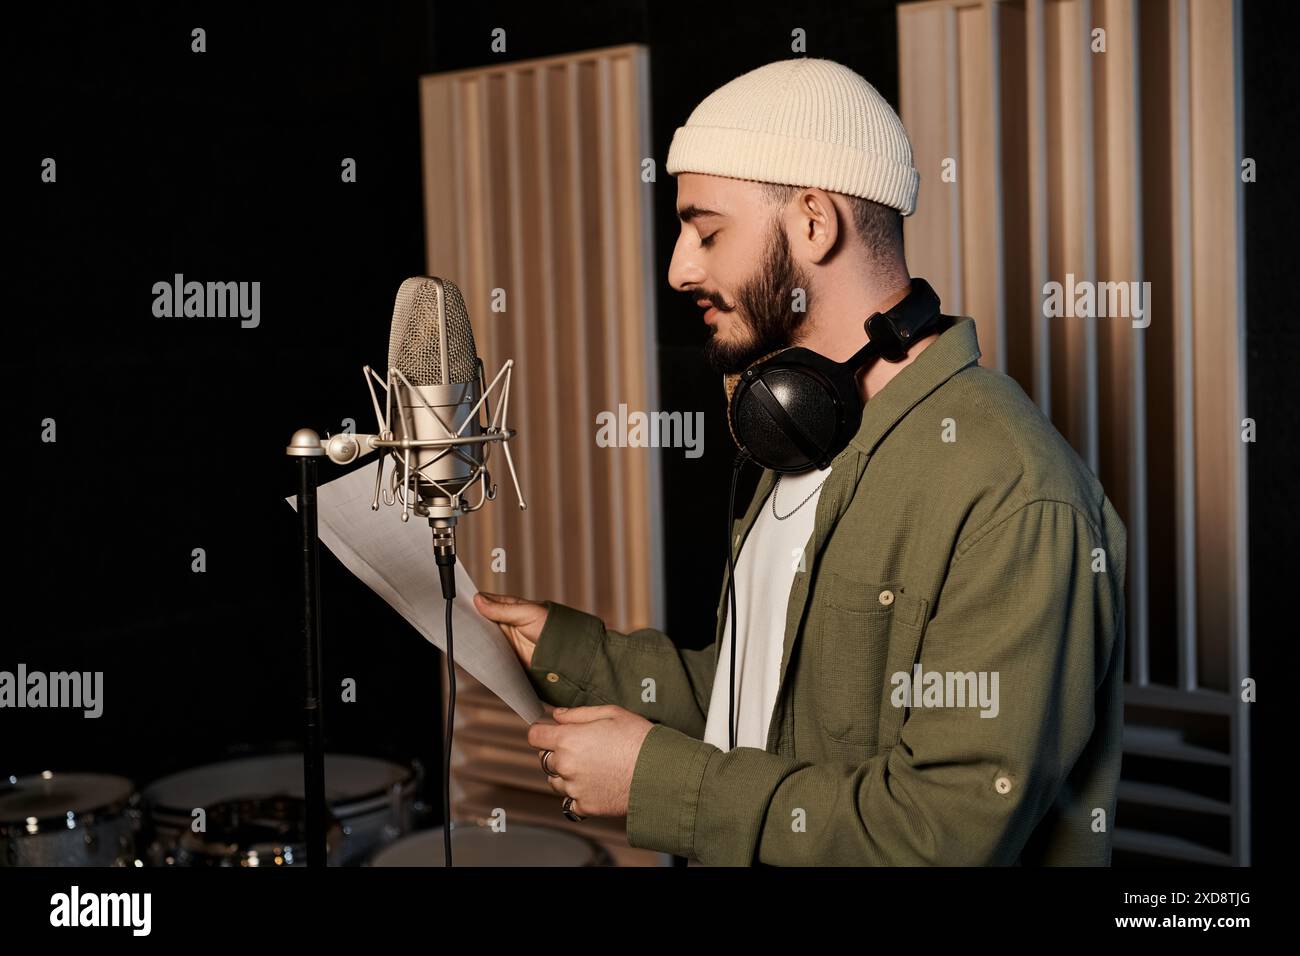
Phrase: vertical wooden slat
(1069, 193)
(980, 201)
(1121, 346)
(1012, 131)
(1156, 107)
(997, 190)
(488, 255)
(929, 110)
(641, 280)
(589, 283)
(481, 264)
(1184, 388)
(1039, 211)
(544, 343)
(1217, 348)
(952, 139)
(1218, 374)
(583, 542)
(510, 327)
(1087, 214)
(615, 470)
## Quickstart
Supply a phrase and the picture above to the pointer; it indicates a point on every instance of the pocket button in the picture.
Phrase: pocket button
(886, 598)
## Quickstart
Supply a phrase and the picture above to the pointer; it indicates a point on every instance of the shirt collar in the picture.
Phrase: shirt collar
(952, 351)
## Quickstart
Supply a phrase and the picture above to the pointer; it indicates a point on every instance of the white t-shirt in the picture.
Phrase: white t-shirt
(764, 574)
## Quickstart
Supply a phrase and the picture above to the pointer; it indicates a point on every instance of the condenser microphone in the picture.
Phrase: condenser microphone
(436, 422)
(437, 384)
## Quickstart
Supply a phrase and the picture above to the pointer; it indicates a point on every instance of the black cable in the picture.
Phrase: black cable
(451, 723)
(738, 464)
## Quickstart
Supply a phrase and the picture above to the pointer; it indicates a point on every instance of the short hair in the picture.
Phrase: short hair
(880, 227)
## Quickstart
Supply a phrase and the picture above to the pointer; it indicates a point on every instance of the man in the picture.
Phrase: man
(929, 631)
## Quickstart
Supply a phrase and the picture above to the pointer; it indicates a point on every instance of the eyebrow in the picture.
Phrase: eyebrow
(687, 213)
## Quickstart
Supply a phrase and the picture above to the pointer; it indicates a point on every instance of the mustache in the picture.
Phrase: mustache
(714, 299)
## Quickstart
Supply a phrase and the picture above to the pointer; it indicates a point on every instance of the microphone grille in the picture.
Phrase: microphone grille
(416, 345)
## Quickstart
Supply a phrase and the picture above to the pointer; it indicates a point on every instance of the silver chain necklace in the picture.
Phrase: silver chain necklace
(777, 486)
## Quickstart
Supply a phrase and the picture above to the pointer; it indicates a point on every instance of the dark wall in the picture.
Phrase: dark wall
(1269, 87)
(224, 167)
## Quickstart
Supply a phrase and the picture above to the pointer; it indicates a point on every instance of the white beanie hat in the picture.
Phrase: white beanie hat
(801, 122)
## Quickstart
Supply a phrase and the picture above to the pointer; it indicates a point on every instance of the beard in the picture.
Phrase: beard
(763, 309)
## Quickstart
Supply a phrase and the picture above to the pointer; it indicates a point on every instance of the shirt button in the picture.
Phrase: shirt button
(1002, 785)
(552, 677)
(886, 598)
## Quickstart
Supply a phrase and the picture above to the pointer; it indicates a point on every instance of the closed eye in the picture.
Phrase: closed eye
(707, 241)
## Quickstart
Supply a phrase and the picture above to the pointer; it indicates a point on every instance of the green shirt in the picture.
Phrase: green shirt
(958, 535)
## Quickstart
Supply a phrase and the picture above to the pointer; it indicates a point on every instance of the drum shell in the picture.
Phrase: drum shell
(100, 835)
(473, 845)
(373, 800)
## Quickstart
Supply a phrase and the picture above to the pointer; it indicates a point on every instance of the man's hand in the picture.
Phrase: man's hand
(520, 621)
(594, 751)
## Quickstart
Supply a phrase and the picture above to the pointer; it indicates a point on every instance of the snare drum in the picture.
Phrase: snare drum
(372, 800)
(68, 819)
(517, 845)
(262, 832)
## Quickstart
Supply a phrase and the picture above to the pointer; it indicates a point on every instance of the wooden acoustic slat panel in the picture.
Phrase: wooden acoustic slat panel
(1116, 164)
(534, 205)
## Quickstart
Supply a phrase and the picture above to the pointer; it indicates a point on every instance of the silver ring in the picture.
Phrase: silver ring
(548, 770)
(567, 809)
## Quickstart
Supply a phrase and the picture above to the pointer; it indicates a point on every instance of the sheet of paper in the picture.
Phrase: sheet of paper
(395, 560)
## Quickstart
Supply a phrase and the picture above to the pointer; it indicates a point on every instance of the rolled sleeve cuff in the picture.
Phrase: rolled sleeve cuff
(564, 653)
(664, 798)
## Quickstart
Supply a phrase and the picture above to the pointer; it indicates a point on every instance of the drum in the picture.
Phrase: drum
(371, 800)
(517, 845)
(261, 832)
(68, 819)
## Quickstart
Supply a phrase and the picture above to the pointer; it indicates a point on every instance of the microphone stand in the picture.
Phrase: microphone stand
(306, 447)
(342, 449)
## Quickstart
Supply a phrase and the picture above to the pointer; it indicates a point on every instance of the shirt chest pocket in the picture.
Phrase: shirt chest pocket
(866, 634)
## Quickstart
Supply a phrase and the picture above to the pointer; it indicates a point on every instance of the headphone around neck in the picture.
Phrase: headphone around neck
(795, 409)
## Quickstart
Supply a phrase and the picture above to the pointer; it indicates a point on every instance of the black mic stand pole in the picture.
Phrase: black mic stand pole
(306, 447)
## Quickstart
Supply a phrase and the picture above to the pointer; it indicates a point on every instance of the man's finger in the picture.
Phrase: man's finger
(583, 715)
(503, 612)
(504, 598)
(544, 736)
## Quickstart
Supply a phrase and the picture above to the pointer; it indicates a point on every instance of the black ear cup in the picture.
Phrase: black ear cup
(788, 415)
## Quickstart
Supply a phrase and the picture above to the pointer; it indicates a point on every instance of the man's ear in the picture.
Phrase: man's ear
(819, 221)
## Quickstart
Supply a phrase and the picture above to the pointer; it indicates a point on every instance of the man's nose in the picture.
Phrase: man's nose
(683, 271)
